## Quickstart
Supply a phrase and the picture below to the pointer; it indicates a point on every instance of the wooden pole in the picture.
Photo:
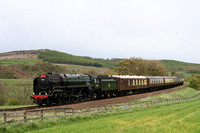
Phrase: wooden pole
(42, 114)
(65, 112)
(55, 112)
(4, 117)
(25, 120)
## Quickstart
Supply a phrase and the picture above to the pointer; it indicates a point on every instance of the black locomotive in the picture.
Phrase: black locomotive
(65, 88)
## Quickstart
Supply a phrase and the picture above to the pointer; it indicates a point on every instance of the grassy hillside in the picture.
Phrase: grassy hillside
(22, 71)
(76, 64)
(64, 58)
(181, 67)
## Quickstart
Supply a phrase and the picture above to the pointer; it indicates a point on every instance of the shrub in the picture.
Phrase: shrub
(13, 102)
(194, 82)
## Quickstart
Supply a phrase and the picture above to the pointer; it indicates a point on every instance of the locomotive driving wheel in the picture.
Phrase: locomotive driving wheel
(75, 95)
(66, 97)
(59, 100)
(82, 95)
(49, 102)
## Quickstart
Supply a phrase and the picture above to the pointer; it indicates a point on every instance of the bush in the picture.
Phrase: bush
(13, 102)
(194, 82)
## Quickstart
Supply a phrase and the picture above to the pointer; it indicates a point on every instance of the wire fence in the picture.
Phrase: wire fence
(27, 115)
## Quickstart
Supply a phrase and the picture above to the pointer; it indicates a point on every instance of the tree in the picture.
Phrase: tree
(138, 66)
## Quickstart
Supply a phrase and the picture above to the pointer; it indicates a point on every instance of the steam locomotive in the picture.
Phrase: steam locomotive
(65, 88)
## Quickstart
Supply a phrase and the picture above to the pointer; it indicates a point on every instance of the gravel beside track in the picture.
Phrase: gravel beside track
(102, 102)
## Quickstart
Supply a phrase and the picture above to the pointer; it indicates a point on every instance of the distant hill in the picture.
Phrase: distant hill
(181, 67)
(30, 57)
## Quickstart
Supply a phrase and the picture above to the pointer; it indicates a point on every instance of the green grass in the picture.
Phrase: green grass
(19, 61)
(179, 117)
(15, 106)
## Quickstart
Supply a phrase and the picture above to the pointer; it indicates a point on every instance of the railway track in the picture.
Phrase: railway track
(101, 102)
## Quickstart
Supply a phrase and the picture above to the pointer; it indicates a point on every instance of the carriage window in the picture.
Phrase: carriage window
(129, 83)
(122, 83)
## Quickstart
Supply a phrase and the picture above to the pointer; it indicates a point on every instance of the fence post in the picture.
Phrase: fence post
(65, 112)
(73, 111)
(42, 114)
(55, 112)
(4, 117)
(25, 120)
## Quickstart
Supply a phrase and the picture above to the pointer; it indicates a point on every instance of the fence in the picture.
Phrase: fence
(16, 116)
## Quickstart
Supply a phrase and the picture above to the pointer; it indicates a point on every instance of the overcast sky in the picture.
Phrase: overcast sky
(150, 29)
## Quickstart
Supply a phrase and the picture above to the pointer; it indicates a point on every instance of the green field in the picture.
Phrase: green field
(180, 117)
(19, 61)
(18, 81)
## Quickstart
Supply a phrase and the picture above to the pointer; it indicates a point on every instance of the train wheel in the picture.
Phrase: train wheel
(66, 97)
(59, 100)
(40, 103)
(82, 95)
(75, 96)
(49, 102)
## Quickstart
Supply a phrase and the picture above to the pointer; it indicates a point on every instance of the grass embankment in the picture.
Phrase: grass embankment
(182, 93)
(178, 117)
